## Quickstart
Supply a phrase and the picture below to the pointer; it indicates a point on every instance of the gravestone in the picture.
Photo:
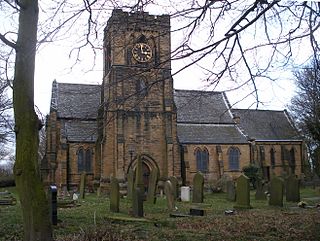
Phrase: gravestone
(198, 182)
(152, 187)
(231, 190)
(260, 190)
(168, 191)
(53, 204)
(185, 194)
(130, 185)
(292, 189)
(137, 202)
(139, 175)
(99, 192)
(82, 185)
(175, 186)
(243, 193)
(276, 192)
(114, 195)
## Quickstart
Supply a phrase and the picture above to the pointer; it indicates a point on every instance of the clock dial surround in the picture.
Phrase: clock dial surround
(142, 52)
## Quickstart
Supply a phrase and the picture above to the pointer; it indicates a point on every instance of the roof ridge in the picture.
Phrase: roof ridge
(256, 110)
(199, 91)
(64, 83)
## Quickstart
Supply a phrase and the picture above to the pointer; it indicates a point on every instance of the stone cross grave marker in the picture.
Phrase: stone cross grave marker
(137, 202)
(130, 185)
(168, 191)
(82, 185)
(260, 190)
(197, 194)
(293, 189)
(243, 193)
(231, 191)
(175, 186)
(139, 175)
(114, 195)
(276, 192)
(152, 187)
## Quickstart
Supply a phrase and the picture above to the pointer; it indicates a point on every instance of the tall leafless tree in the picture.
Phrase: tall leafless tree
(305, 107)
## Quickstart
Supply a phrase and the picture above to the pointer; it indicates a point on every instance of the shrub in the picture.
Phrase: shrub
(252, 172)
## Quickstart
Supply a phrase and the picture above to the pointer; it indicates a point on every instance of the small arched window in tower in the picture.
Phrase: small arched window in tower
(141, 87)
(88, 160)
(81, 160)
(234, 156)
(202, 160)
(272, 158)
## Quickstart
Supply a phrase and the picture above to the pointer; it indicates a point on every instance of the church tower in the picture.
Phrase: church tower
(138, 116)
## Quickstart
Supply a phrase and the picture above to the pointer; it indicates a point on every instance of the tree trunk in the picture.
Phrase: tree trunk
(34, 204)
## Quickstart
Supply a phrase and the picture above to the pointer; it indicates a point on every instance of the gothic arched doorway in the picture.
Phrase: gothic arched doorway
(148, 164)
(146, 174)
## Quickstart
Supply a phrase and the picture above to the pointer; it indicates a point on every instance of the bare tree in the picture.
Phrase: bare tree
(242, 42)
(33, 200)
(305, 107)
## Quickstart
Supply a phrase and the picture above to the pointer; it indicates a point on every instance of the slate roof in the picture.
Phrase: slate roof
(266, 125)
(78, 101)
(209, 134)
(77, 108)
(202, 117)
(205, 117)
(202, 107)
(79, 131)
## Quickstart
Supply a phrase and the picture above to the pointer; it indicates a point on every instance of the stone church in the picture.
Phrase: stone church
(101, 129)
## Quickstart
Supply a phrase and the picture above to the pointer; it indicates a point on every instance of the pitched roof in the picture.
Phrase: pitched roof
(202, 107)
(78, 101)
(266, 124)
(79, 130)
(209, 134)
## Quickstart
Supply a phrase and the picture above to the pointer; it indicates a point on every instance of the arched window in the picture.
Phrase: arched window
(272, 158)
(202, 159)
(234, 156)
(81, 161)
(292, 160)
(84, 160)
(88, 160)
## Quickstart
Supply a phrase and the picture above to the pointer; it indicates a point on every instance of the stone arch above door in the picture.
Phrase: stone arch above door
(147, 160)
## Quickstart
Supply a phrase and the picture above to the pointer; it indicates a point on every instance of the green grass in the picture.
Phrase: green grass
(93, 219)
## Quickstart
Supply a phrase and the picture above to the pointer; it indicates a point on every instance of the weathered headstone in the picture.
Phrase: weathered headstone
(231, 191)
(130, 186)
(243, 193)
(98, 191)
(152, 187)
(82, 185)
(198, 182)
(260, 191)
(292, 189)
(53, 204)
(276, 192)
(185, 194)
(137, 202)
(139, 175)
(175, 186)
(114, 195)
(168, 191)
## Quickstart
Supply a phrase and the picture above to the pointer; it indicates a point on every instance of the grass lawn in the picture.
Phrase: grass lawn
(92, 220)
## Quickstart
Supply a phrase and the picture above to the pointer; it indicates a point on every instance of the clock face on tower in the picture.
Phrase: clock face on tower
(142, 52)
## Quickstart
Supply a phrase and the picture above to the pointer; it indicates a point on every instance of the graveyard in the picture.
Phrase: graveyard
(222, 217)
